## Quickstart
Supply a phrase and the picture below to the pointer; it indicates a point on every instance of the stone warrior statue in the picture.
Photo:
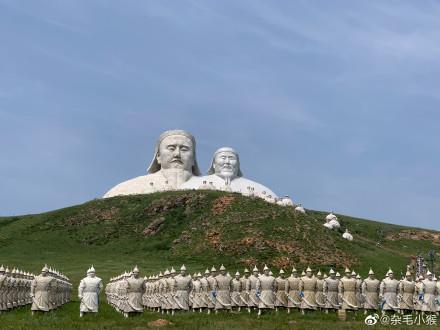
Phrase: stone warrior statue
(135, 287)
(292, 290)
(49, 290)
(88, 292)
(236, 292)
(244, 282)
(320, 300)
(388, 293)
(265, 288)
(222, 290)
(251, 289)
(211, 288)
(407, 294)
(183, 288)
(370, 292)
(307, 288)
(41, 286)
(331, 292)
(280, 291)
(197, 294)
(174, 163)
(429, 294)
(347, 291)
(225, 174)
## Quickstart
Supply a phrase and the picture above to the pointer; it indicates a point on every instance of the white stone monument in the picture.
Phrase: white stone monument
(174, 162)
(225, 174)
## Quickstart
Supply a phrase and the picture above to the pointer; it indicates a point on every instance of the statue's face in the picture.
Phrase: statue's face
(92, 274)
(309, 274)
(266, 272)
(223, 272)
(136, 275)
(391, 276)
(226, 164)
(332, 276)
(408, 277)
(213, 273)
(372, 276)
(282, 275)
(183, 272)
(255, 273)
(176, 151)
(43, 273)
(237, 277)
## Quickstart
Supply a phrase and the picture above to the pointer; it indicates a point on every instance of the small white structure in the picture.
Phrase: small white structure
(331, 221)
(300, 209)
(347, 235)
(285, 201)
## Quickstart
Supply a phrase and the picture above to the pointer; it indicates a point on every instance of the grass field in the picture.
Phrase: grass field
(199, 229)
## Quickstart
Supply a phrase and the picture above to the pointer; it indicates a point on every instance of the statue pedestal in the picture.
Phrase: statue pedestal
(342, 315)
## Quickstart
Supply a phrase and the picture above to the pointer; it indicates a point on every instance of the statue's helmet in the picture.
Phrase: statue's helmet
(222, 267)
(155, 166)
(225, 149)
(371, 272)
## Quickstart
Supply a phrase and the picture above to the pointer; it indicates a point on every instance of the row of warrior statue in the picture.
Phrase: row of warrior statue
(44, 292)
(130, 293)
(168, 292)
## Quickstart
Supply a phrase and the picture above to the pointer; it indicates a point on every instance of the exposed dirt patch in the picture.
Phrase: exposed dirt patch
(92, 215)
(154, 227)
(418, 235)
(163, 205)
(159, 323)
(221, 204)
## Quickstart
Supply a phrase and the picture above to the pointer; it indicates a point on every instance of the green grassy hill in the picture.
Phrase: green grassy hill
(198, 228)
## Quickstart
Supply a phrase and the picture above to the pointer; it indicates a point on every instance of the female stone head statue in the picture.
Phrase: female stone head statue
(175, 149)
(225, 163)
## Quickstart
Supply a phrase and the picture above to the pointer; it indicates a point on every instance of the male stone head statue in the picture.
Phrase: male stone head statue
(226, 164)
(174, 162)
(175, 149)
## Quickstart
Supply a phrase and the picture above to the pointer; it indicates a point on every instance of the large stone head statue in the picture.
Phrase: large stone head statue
(175, 149)
(225, 164)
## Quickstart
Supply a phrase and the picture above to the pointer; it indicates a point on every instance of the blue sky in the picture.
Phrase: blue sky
(335, 103)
